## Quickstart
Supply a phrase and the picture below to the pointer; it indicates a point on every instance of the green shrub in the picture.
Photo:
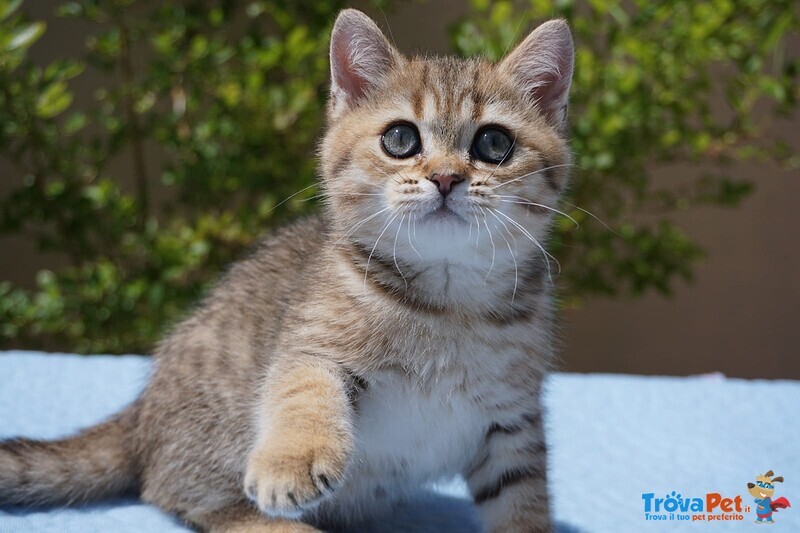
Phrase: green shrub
(220, 103)
(656, 84)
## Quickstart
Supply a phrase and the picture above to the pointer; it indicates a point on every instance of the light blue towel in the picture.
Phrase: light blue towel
(611, 439)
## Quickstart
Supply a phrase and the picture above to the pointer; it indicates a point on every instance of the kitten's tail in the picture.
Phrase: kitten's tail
(97, 463)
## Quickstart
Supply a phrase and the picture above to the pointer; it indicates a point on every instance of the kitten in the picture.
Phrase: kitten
(400, 338)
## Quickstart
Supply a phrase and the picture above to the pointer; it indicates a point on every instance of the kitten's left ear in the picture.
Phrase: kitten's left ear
(542, 67)
(361, 57)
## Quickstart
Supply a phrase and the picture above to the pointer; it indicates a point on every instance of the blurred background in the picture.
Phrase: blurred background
(145, 145)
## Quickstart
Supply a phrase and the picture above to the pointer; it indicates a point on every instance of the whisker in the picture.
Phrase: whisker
(546, 254)
(366, 270)
(408, 180)
(516, 31)
(408, 232)
(358, 225)
(394, 251)
(376, 167)
(478, 234)
(527, 202)
(328, 194)
(594, 217)
(415, 231)
(506, 228)
(509, 249)
(529, 174)
(276, 206)
(387, 23)
(516, 270)
(491, 239)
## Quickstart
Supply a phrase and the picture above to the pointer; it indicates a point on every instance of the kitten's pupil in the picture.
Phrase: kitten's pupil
(401, 140)
(492, 145)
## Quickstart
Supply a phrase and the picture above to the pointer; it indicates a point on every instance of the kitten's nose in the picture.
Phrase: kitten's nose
(445, 182)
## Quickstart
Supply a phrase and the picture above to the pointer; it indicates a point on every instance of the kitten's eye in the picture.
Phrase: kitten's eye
(401, 140)
(492, 145)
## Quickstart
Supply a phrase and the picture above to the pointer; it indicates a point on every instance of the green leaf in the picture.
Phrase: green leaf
(53, 100)
(8, 7)
(25, 36)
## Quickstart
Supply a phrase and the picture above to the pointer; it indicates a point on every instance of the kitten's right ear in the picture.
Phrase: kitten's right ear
(361, 57)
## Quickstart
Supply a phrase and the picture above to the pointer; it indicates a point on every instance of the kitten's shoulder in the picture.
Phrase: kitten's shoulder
(301, 238)
(255, 293)
(283, 255)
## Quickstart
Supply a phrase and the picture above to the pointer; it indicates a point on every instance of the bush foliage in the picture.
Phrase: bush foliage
(218, 106)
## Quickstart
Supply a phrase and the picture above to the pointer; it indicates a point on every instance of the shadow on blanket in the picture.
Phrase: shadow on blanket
(430, 512)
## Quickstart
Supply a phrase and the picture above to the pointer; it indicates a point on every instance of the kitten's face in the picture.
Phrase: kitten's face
(443, 159)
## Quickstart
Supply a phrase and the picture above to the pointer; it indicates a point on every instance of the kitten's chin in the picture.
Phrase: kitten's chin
(444, 234)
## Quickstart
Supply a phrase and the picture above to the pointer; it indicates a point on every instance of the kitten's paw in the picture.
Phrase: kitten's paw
(285, 481)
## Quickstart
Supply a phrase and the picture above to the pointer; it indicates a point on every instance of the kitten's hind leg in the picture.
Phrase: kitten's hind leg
(247, 519)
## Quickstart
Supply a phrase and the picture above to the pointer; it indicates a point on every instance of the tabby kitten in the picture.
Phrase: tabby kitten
(400, 338)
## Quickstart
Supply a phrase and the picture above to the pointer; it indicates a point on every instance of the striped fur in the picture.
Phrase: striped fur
(94, 464)
(387, 343)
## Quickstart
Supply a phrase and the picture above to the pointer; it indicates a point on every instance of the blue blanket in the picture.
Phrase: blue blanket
(612, 438)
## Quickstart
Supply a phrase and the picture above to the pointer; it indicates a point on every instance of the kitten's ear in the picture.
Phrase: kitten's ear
(361, 57)
(542, 65)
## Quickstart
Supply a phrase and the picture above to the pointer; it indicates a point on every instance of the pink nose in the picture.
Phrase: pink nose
(445, 182)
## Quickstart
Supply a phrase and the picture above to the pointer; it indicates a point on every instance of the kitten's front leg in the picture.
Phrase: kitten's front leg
(305, 437)
(509, 477)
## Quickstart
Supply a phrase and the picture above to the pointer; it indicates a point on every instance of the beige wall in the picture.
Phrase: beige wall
(740, 316)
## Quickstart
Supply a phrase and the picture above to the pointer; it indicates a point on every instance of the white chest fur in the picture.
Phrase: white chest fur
(409, 435)
(434, 429)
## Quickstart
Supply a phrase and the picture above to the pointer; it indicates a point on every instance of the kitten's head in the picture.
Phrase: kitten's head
(430, 159)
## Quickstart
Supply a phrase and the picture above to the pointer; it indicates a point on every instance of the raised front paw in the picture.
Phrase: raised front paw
(290, 477)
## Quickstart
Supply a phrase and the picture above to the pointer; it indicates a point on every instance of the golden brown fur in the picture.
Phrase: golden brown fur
(352, 358)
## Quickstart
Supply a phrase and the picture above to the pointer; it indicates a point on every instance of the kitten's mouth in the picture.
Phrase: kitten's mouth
(444, 213)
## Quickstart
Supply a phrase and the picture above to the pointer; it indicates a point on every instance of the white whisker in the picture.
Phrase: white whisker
(491, 239)
(276, 206)
(516, 270)
(527, 202)
(411, 218)
(358, 225)
(414, 231)
(366, 270)
(536, 242)
(505, 226)
(330, 194)
(394, 250)
(529, 174)
(376, 167)
(478, 234)
(594, 217)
